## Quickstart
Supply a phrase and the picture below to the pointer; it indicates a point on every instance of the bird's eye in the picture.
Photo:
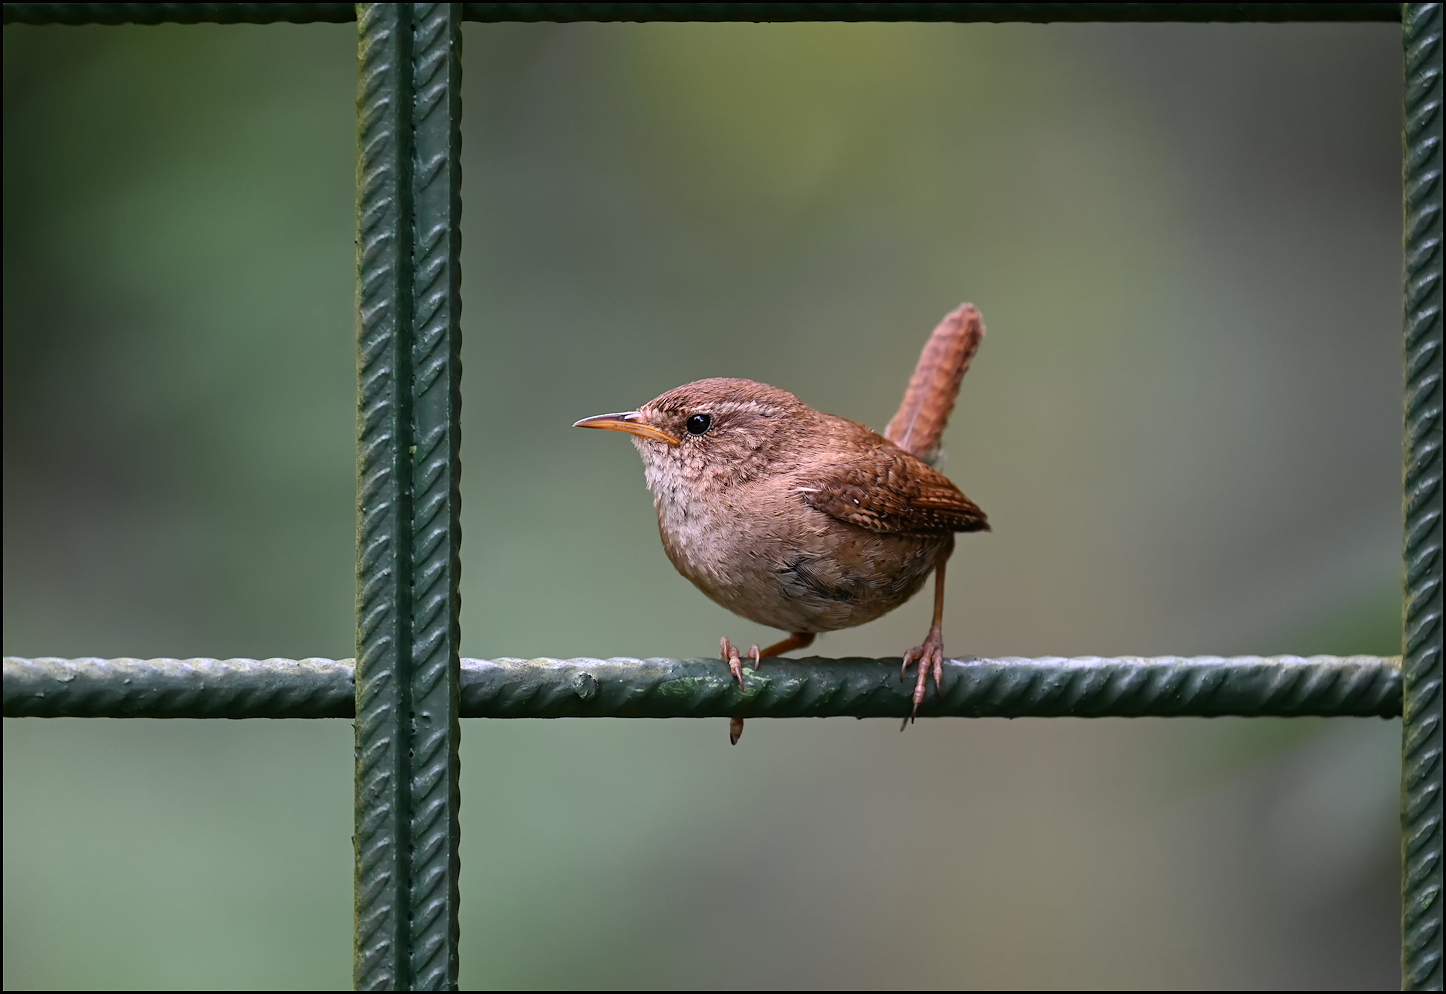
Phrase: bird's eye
(698, 424)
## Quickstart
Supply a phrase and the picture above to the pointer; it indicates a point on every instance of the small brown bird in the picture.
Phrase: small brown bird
(806, 521)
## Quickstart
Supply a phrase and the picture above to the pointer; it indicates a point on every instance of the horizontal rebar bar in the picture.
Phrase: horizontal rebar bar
(300, 13)
(1201, 686)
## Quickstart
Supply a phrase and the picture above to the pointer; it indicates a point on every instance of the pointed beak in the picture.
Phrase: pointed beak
(628, 421)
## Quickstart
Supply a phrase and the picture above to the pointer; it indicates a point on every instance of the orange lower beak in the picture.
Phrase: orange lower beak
(628, 421)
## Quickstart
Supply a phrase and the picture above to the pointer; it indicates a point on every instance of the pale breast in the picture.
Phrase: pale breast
(781, 563)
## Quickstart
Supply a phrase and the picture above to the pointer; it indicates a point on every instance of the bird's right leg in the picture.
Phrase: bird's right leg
(930, 655)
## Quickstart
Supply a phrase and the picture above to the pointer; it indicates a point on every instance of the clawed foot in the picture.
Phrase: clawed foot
(930, 657)
(735, 661)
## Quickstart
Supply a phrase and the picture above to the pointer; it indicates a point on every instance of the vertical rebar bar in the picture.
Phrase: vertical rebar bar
(436, 499)
(408, 509)
(1421, 758)
(384, 430)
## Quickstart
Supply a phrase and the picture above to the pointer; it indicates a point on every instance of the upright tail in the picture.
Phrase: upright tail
(918, 427)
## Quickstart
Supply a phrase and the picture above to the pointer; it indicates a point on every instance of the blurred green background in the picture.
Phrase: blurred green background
(1184, 424)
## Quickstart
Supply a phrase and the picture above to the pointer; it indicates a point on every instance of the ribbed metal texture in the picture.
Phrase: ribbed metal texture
(408, 564)
(1205, 686)
(1421, 768)
(384, 437)
(436, 498)
(260, 13)
(179, 688)
(959, 12)
(177, 13)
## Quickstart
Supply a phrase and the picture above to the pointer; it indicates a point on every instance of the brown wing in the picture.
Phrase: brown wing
(884, 489)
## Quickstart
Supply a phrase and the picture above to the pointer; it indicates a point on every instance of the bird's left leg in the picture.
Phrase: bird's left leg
(798, 640)
(930, 655)
(735, 661)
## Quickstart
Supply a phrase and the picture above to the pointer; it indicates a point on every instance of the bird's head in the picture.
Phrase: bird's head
(717, 431)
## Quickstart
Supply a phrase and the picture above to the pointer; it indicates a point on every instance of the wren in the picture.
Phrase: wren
(805, 521)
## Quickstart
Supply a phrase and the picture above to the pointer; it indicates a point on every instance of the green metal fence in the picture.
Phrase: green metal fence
(408, 687)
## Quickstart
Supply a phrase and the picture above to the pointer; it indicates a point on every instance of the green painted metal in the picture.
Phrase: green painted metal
(178, 13)
(436, 504)
(179, 688)
(1421, 756)
(411, 688)
(384, 436)
(1201, 686)
(1039, 13)
(408, 514)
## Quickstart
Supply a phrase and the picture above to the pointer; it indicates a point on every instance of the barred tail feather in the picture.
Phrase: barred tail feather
(918, 427)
